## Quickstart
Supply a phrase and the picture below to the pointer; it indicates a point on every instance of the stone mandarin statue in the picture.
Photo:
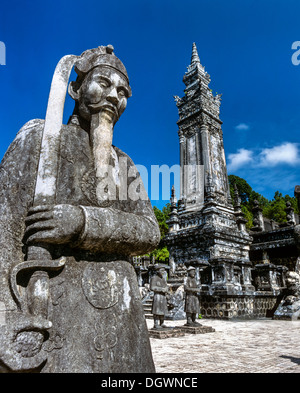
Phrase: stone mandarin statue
(159, 286)
(192, 307)
(69, 299)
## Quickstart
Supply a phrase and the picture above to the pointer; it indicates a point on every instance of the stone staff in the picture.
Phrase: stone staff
(39, 259)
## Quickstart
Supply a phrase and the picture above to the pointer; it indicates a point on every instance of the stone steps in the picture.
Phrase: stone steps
(147, 309)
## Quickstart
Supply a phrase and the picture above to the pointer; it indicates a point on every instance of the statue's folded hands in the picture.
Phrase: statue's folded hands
(57, 224)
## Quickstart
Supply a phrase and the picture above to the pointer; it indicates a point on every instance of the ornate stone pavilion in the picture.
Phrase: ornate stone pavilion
(207, 229)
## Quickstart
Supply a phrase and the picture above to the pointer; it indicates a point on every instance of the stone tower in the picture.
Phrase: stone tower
(206, 230)
(201, 140)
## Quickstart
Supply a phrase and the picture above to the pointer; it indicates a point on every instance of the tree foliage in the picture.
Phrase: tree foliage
(162, 216)
(161, 252)
(273, 209)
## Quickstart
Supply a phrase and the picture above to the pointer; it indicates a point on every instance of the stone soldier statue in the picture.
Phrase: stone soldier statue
(73, 210)
(159, 286)
(289, 307)
(191, 288)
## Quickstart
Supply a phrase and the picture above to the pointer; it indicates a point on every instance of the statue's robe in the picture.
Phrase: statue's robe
(192, 305)
(159, 304)
(95, 306)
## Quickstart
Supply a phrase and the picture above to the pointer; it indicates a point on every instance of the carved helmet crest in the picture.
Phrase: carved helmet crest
(101, 56)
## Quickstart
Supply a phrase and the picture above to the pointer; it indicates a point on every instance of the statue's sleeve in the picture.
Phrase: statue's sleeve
(154, 285)
(190, 286)
(113, 231)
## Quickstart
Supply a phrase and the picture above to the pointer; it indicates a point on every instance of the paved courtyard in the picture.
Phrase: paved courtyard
(255, 346)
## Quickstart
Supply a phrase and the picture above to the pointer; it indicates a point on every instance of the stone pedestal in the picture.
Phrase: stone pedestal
(196, 329)
(165, 333)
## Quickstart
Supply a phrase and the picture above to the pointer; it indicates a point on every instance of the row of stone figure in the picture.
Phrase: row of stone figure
(285, 303)
(239, 276)
(160, 288)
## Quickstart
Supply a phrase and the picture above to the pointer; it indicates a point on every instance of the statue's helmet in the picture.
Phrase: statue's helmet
(101, 56)
(191, 268)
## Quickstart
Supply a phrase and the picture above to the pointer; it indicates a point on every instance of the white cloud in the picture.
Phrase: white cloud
(286, 153)
(242, 127)
(239, 159)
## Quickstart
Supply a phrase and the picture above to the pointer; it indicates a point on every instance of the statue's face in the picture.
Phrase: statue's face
(292, 279)
(103, 89)
(161, 272)
(192, 273)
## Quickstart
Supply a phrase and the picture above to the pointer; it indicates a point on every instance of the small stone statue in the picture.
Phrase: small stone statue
(159, 286)
(192, 306)
(289, 308)
(71, 217)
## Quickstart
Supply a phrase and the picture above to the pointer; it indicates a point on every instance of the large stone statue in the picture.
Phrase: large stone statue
(192, 307)
(73, 210)
(159, 286)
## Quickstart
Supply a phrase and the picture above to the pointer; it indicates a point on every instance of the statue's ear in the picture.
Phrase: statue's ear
(73, 90)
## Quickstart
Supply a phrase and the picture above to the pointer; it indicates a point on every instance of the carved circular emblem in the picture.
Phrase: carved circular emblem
(28, 343)
(100, 286)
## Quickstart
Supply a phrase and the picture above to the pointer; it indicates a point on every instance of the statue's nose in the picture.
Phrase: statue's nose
(113, 96)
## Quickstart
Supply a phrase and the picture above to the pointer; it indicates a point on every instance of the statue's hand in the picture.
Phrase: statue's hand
(59, 224)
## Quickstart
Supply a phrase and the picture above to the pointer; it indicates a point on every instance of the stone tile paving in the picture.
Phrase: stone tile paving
(255, 346)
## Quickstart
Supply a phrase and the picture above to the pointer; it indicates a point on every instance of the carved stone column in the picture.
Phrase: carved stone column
(205, 151)
(258, 219)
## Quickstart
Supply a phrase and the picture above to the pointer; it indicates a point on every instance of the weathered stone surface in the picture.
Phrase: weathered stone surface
(69, 299)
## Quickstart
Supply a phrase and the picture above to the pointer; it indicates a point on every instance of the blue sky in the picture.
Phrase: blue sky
(245, 46)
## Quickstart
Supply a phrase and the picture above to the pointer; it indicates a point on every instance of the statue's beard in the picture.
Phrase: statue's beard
(101, 134)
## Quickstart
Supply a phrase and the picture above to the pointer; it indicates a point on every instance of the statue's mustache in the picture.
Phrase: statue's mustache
(105, 106)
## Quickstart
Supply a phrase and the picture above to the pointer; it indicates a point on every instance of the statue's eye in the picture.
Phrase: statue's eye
(103, 83)
(122, 93)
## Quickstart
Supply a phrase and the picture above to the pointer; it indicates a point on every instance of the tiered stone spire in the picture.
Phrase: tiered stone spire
(240, 218)
(196, 64)
(173, 221)
(201, 139)
(208, 227)
(195, 57)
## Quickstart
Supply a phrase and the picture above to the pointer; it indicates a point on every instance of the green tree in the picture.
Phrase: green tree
(243, 187)
(246, 193)
(161, 252)
(273, 209)
(248, 215)
(162, 216)
(276, 208)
